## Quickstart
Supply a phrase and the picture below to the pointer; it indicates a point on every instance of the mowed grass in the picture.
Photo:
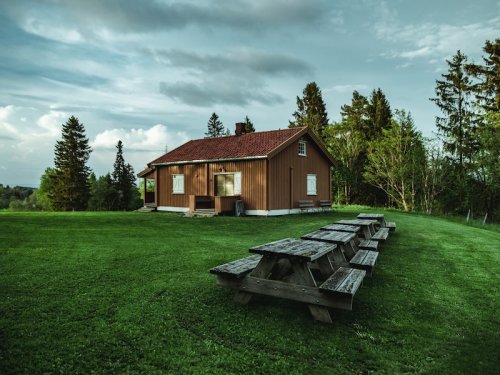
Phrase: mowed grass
(131, 293)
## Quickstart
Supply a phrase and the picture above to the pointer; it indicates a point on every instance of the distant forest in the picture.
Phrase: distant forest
(15, 197)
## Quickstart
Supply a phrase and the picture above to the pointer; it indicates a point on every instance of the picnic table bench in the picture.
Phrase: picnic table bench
(381, 234)
(360, 259)
(334, 288)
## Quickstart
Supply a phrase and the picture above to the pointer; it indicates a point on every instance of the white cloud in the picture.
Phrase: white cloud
(7, 130)
(52, 122)
(436, 41)
(49, 31)
(154, 139)
(347, 88)
(5, 112)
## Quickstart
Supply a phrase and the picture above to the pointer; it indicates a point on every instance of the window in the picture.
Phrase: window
(302, 148)
(227, 184)
(311, 184)
(178, 184)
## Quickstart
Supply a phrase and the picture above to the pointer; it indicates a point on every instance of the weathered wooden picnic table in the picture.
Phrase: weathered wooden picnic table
(370, 232)
(358, 258)
(367, 226)
(380, 218)
(356, 229)
(267, 273)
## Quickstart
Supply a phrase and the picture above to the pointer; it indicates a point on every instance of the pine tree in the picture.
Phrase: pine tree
(453, 97)
(70, 190)
(311, 111)
(488, 89)
(356, 113)
(123, 180)
(458, 128)
(379, 114)
(215, 127)
(249, 128)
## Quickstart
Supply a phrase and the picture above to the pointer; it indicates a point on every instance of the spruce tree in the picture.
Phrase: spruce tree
(249, 128)
(123, 180)
(311, 111)
(70, 190)
(453, 97)
(215, 128)
(379, 114)
(487, 90)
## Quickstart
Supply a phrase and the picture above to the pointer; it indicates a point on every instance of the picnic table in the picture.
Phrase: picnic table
(284, 269)
(367, 226)
(362, 244)
(380, 219)
(358, 258)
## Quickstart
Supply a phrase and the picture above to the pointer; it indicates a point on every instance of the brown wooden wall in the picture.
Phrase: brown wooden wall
(281, 196)
(199, 180)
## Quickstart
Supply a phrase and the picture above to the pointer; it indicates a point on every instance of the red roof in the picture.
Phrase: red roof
(250, 145)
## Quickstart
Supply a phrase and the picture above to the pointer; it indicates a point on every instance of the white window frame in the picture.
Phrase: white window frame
(311, 184)
(177, 184)
(302, 148)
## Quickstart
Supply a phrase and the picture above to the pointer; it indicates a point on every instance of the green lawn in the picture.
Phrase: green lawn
(131, 292)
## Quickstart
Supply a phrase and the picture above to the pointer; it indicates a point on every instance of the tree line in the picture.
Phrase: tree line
(215, 127)
(71, 185)
(383, 160)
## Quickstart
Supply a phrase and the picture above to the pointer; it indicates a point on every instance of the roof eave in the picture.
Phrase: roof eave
(243, 158)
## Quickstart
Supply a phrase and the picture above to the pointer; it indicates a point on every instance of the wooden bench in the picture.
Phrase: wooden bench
(237, 268)
(381, 235)
(368, 245)
(325, 204)
(364, 260)
(344, 283)
(391, 225)
(306, 204)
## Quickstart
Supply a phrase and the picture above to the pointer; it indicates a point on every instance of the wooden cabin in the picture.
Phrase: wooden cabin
(274, 172)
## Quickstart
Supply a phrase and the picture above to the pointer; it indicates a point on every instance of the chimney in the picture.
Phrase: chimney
(240, 128)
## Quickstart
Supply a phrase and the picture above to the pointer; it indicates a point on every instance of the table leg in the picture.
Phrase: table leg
(325, 267)
(302, 275)
(349, 250)
(366, 232)
(262, 270)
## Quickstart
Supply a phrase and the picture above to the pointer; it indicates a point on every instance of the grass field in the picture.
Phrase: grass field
(131, 292)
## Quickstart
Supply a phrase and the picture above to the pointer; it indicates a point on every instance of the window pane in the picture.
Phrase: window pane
(311, 184)
(178, 184)
(229, 184)
(219, 185)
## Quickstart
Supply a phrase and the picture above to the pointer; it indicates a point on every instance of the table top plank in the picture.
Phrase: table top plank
(359, 222)
(339, 238)
(294, 248)
(342, 228)
(364, 216)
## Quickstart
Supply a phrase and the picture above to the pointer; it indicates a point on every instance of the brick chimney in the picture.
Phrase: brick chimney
(240, 128)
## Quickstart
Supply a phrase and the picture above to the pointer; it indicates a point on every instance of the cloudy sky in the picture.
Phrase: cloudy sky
(151, 72)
